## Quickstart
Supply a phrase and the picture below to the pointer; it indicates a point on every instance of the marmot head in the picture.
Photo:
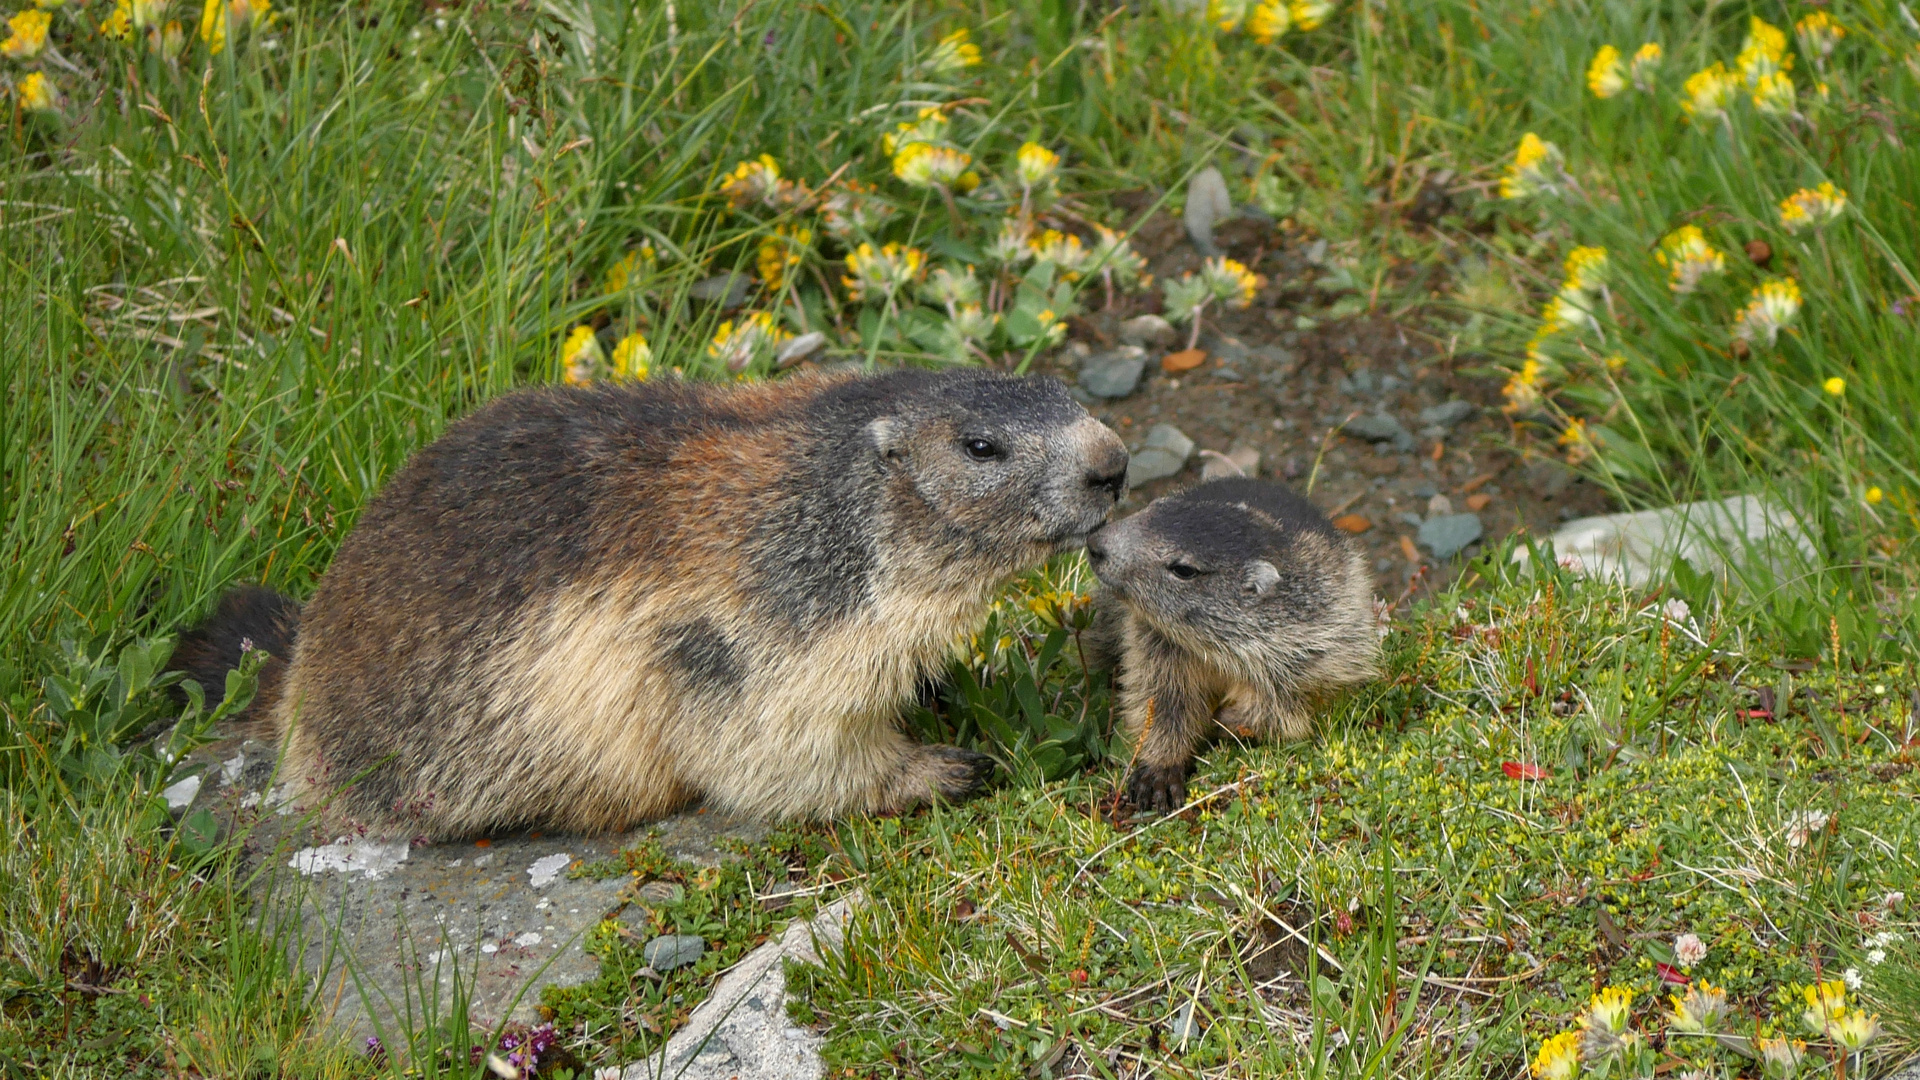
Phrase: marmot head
(1227, 563)
(1008, 470)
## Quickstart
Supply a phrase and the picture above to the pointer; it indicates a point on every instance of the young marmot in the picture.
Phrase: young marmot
(580, 609)
(1230, 602)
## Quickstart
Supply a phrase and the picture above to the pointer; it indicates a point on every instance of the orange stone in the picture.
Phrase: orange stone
(1352, 523)
(1479, 502)
(1184, 360)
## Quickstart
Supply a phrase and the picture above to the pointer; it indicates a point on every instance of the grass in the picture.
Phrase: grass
(239, 288)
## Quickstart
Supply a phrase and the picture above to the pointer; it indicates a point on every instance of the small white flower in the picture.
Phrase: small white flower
(1802, 825)
(1677, 611)
(607, 1072)
(1688, 950)
(1876, 957)
(1851, 977)
(1893, 900)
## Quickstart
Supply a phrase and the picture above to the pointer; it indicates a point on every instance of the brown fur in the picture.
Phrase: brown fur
(1275, 608)
(583, 609)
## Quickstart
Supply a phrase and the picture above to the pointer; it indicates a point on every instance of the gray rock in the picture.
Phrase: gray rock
(180, 795)
(1163, 453)
(741, 1031)
(799, 349)
(1114, 373)
(1716, 537)
(1447, 536)
(1229, 349)
(670, 951)
(1439, 506)
(1185, 1025)
(1380, 428)
(1909, 1071)
(1208, 204)
(1360, 382)
(1447, 414)
(1548, 477)
(1425, 490)
(1148, 330)
(727, 290)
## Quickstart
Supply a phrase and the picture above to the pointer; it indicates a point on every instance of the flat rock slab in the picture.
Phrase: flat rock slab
(379, 924)
(1715, 537)
(741, 1031)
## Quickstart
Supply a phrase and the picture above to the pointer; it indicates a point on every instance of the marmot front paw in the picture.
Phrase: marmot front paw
(1158, 787)
(963, 773)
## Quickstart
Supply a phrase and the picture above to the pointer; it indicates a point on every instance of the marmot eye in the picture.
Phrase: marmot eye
(1183, 571)
(981, 449)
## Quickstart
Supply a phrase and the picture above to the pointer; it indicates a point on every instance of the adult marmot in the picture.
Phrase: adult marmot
(580, 609)
(1233, 601)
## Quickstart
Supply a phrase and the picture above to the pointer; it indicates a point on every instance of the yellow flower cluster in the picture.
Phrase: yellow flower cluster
(738, 345)
(36, 93)
(1063, 250)
(627, 273)
(1708, 92)
(580, 356)
(1267, 21)
(884, 272)
(1769, 309)
(780, 252)
(955, 53)
(1829, 1014)
(1559, 1057)
(1700, 1010)
(1523, 387)
(28, 35)
(1818, 34)
(930, 126)
(220, 19)
(921, 164)
(1035, 165)
(1811, 208)
(1606, 76)
(1536, 168)
(1687, 255)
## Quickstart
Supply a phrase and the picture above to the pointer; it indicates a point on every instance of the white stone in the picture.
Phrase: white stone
(1207, 204)
(180, 796)
(230, 769)
(374, 859)
(742, 1029)
(545, 869)
(529, 938)
(1714, 537)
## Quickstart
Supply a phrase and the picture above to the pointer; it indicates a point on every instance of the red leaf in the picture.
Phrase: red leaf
(1671, 975)
(1755, 714)
(1523, 770)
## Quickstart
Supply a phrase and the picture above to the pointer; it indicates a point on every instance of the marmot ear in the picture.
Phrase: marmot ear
(1261, 579)
(887, 434)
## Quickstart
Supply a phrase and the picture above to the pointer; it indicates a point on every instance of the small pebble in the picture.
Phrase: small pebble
(1478, 502)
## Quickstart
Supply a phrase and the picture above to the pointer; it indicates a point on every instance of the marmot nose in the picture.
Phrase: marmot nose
(1108, 471)
(1096, 549)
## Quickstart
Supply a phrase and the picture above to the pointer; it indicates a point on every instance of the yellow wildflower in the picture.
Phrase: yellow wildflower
(972, 323)
(1230, 281)
(949, 288)
(1587, 269)
(924, 164)
(883, 272)
(632, 358)
(1035, 165)
(1764, 51)
(1605, 76)
(49, 4)
(1781, 1058)
(148, 14)
(853, 209)
(1009, 246)
(626, 273)
(219, 18)
(1610, 1009)
(580, 356)
(1700, 1010)
(169, 40)
(1566, 312)
(755, 336)
(1063, 250)
(751, 182)
(1686, 253)
(1646, 61)
(1269, 21)
(930, 126)
(118, 25)
(1708, 92)
(1523, 391)
(1818, 34)
(1853, 1031)
(1536, 168)
(1226, 14)
(1559, 1057)
(1835, 386)
(1769, 309)
(1874, 495)
(1309, 14)
(1579, 443)
(28, 37)
(955, 52)
(1115, 257)
(1826, 1002)
(1774, 94)
(36, 93)
(1811, 208)
(781, 252)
